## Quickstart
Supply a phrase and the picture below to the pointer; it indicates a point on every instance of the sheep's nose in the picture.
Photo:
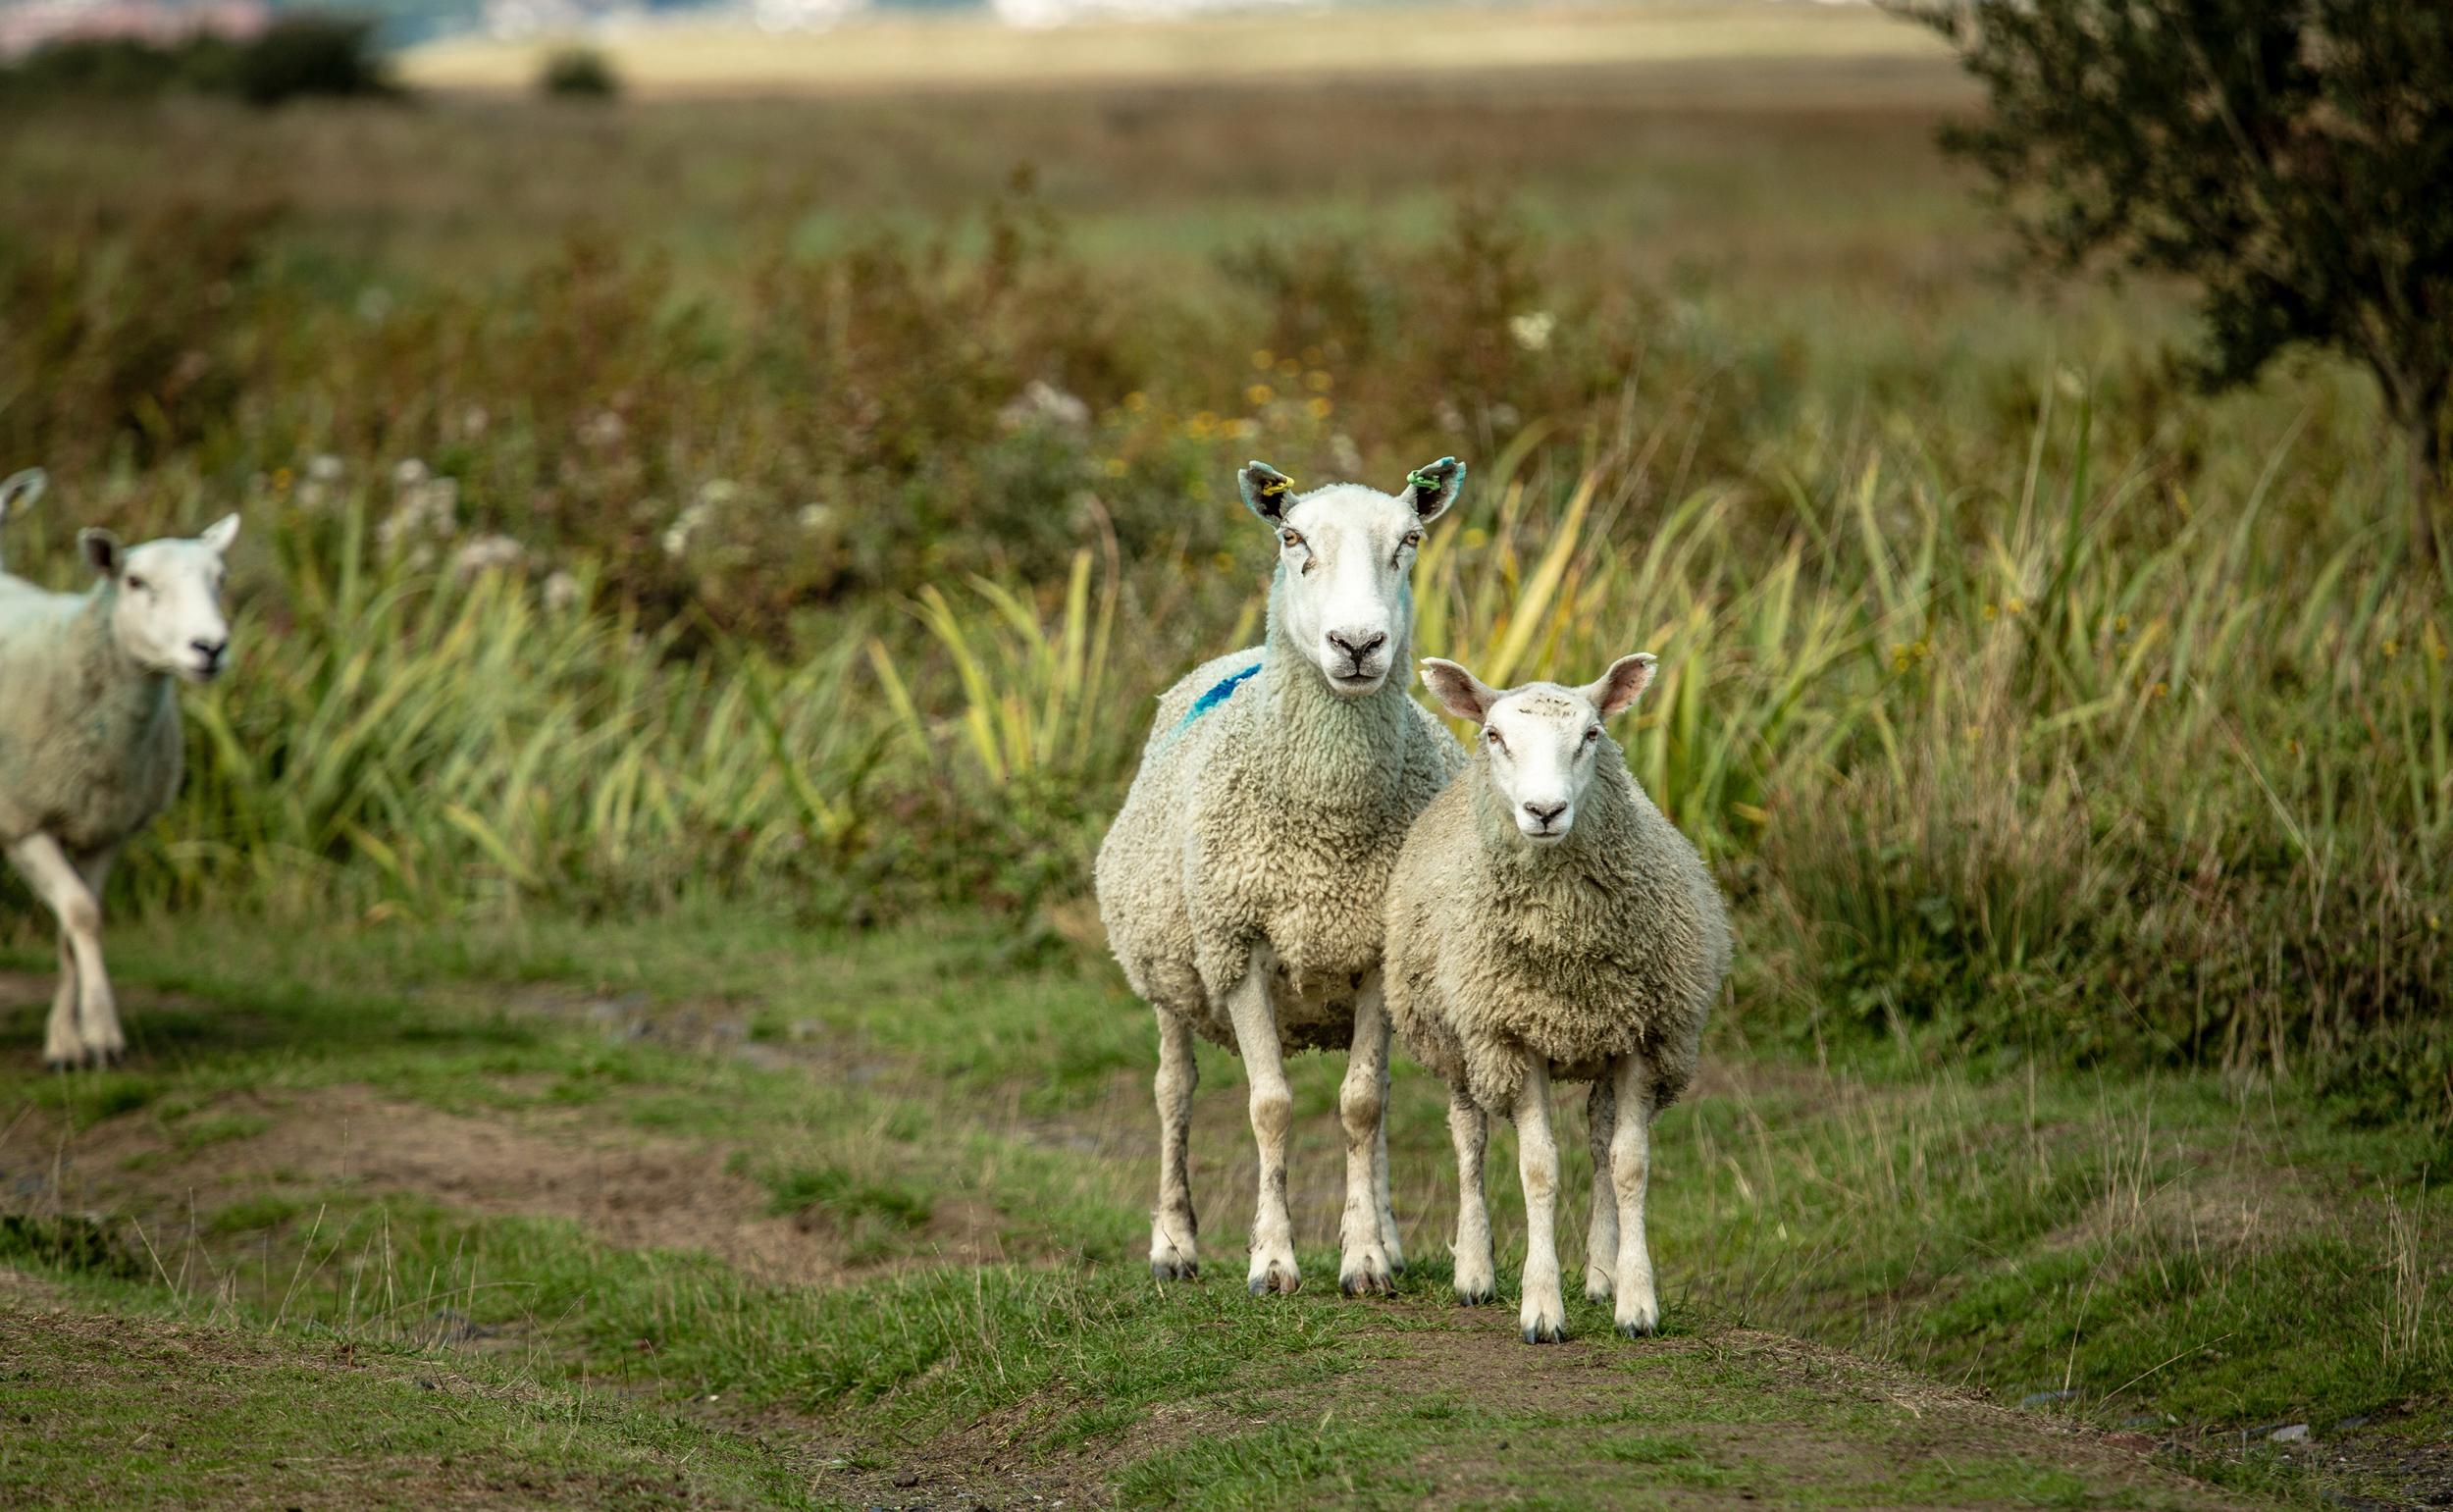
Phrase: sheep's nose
(1545, 814)
(211, 650)
(1357, 644)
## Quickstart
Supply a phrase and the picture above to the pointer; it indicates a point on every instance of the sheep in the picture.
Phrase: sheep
(89, 740)
(1546, 921)
(18, 493)
(1241, 884)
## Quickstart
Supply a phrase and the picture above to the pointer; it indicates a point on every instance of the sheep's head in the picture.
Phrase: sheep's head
(166, 609)
(1543, 741)
(1345, 558)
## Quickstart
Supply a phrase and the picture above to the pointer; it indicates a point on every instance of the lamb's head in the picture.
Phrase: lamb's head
(165, 598)
(1345, 559)
(1543, 742)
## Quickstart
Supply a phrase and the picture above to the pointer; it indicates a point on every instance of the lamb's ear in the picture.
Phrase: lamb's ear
(1458, 691)
(1432, 490)
(221, 533)
(1267, 492)
(102, 550)
(21, 490)
(1622, 684)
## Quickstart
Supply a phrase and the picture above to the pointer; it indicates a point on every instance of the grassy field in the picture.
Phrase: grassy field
(616, 1014)
(719, 1210)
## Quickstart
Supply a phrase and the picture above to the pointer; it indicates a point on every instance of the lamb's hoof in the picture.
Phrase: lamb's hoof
(1541, 1330)
(1176, 1269)
(1476, 1296)
(1278, 1278)
(1599, 1285)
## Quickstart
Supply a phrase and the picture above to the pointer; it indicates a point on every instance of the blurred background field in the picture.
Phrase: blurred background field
(777, 490)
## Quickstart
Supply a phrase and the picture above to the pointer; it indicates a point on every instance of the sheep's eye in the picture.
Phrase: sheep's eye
(1495, 742)
(1290, 537)
(1412, 537)
(136, 583)
(1592, 734)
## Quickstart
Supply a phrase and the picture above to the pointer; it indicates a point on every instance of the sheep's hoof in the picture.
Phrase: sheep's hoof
(64, 1063)
(1284, 1282)
(1544, 1332)
(1480, 1296)
(1175, 1270)
(1637, 1329)
(1366, 1283)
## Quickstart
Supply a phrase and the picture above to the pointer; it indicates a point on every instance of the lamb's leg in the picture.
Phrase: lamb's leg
(100, 1026)
(1364, 1266)
(1272, 1113)
(1601, 1233)
(61, 1047)
(56, 882)
(1631, 1162)
(1476, 1281)
(1543, 1313)
(1173, 1228)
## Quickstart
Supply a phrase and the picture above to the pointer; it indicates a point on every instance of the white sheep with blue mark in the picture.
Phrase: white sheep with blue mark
(1241, 883)
(90, 738)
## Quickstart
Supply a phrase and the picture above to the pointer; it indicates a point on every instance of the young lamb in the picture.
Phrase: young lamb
(1241, 882)
(1545, 921)
(89, 739)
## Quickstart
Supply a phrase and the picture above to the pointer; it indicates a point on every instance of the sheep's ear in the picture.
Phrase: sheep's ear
(1432, 490)
(102, 550)
(21, 490)
(221, 533)
(1622, 684)
(1267, 492)
(1458, 691)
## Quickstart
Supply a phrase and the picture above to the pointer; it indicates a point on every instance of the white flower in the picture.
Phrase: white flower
(561, 590)
(487, 553)
(324, 467)
(1044, 402)
(814, 516)
(1531, 329)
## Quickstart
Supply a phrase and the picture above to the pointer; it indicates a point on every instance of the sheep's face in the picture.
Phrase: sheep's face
(1543, 741)
(1345, 559)
(166, 609)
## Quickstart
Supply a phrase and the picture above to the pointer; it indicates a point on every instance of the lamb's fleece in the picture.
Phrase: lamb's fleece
(1274, 813)
(90, 749)
(1612, 941)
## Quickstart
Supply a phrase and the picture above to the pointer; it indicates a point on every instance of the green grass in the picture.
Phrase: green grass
(2158, 1243)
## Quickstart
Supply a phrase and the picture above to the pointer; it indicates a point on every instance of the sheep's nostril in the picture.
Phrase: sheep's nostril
(1357, 646)
(1545, 814)
(211, 650)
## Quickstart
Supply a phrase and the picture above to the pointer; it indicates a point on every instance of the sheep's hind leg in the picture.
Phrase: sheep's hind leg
(1630, 1165)
(1601, 1233)
(1174, 1228)
(1362, 1103)
(47, 870)
(100, 1026)
(1272, 1113)
(1543, 1313)
(61, 1047)
(1477, 1281)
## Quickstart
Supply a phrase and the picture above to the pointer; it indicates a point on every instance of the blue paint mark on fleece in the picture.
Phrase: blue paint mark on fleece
(1218, 695)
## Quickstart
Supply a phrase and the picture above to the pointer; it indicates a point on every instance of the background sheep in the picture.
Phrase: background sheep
(18, 490)
(89, 739)
(1546, 921)
(1241, 883)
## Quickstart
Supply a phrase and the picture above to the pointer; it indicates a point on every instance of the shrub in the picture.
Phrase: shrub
(579, 73)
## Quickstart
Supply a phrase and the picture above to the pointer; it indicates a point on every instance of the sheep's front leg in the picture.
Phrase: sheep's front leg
(65, 892)
(1388, 1240)
(1361, 1102)
(1601, 1233)
(1631, 1163)
(99, 1025)
(1477, 1281)
(1173, 1228)
(1543, 1313)
(1272, 1113)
